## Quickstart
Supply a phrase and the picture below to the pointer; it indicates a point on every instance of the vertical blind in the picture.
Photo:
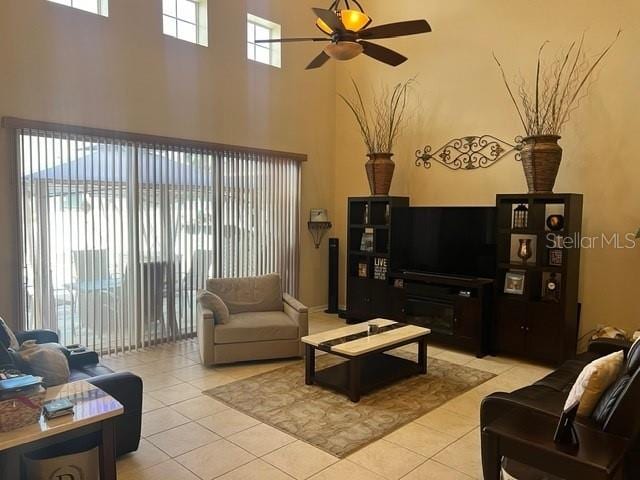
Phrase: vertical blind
(118, 234)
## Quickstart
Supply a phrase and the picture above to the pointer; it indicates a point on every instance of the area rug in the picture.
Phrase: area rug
(329, 420)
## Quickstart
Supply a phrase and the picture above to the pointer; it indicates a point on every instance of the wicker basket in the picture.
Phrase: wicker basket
(541, 156)
(21, 410)
(380, 169)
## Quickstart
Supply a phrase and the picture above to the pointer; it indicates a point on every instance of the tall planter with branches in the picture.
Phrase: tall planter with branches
(545, 107)
(380, 126)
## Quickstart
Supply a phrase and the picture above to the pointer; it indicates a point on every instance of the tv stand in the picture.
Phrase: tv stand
(456, 309)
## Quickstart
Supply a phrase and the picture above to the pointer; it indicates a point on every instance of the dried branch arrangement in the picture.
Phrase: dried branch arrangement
(382, 124)
(560, 85)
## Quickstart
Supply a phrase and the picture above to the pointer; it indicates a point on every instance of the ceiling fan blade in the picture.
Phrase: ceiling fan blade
(287, 40)
(383, 54)
(400, 29)
(330, 18)
(319, 61)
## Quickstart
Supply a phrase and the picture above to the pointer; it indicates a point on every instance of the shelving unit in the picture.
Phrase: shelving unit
(368, 296)
(535, 324)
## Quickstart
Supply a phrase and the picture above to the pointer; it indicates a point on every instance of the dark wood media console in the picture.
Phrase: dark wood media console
(456, 309)
(529, 310)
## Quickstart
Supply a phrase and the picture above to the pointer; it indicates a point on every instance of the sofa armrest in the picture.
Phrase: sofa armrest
(40, 336)
(300, 314)
(126, 388)
(82, 359)
(295, 304)
(497, 404)
(206, 326)
(606, 346)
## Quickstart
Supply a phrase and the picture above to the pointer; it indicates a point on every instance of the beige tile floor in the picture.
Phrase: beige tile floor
(189, 436)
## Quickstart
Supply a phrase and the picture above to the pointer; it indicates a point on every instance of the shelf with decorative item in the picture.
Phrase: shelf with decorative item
(368, 254)
(519, 266)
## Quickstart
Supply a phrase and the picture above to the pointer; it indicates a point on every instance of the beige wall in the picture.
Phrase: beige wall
(59, 64)
(122, 73)
(460, 92)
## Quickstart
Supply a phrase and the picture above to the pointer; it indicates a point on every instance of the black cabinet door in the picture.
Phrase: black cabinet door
(359, 298)
(381, 299)
(510, 326)
(545, 336)
(468, 318)
(398, 300)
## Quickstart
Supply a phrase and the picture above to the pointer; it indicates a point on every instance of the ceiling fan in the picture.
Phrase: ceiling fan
(346, 29)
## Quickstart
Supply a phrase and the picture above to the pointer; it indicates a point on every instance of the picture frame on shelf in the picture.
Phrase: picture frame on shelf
(555, 257)
(380, 268)
(366, 243)
(363, 269)
(514, 282)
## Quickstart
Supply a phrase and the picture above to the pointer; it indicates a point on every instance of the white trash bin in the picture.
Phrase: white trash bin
(77, 466)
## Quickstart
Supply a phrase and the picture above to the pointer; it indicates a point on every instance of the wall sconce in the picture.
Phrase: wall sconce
(318, 224)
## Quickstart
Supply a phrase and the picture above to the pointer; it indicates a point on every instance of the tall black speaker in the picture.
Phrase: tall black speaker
(334, 256)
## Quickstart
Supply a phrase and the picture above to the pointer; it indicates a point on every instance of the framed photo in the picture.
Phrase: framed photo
(514, 283)
(363, 269)
(366, 243)
(555, 257)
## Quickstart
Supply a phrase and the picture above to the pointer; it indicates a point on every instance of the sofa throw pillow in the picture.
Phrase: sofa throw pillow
(46, 361)
(7, 336)
(213, 302)
(593, 381)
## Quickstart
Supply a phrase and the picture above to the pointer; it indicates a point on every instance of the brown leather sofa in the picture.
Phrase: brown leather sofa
(618, 412)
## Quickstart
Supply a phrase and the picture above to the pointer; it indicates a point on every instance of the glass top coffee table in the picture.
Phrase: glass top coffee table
(368, 367)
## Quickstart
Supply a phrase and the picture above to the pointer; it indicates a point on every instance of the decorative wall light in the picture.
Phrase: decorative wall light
(469, 153)
(318, 224)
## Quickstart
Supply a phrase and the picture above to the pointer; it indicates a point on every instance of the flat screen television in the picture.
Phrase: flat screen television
(457, 241)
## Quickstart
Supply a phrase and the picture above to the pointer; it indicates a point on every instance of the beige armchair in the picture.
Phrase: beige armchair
(263, 322)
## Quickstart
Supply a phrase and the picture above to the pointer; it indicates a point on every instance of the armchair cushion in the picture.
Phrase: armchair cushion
(213, 302)
(7, 338)
(253, 294)
(256, 327)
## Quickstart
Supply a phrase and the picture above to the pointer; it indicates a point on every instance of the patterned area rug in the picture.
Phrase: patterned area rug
(329, 420)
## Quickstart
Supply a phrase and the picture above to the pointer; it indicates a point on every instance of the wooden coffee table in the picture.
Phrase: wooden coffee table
(368, 366)
(93, 414)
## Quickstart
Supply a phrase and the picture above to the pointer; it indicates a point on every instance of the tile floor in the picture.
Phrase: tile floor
(189, 436)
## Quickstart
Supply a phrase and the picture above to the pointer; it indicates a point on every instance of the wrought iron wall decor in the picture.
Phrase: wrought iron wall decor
(469, 153)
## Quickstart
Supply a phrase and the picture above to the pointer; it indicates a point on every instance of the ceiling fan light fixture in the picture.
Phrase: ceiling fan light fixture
(354, 20)
(344, 50)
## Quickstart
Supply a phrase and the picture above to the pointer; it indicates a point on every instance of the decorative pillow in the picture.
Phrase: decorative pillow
(46, 361)
(593, 381)
(213, 302)
(7, 337)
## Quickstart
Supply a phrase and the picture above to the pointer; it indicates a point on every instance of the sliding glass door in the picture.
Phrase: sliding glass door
(118, 235)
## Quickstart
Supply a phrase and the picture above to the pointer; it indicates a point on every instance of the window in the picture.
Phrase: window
(186, 20)
(261, 29)
(118, 232)
(99, 7)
